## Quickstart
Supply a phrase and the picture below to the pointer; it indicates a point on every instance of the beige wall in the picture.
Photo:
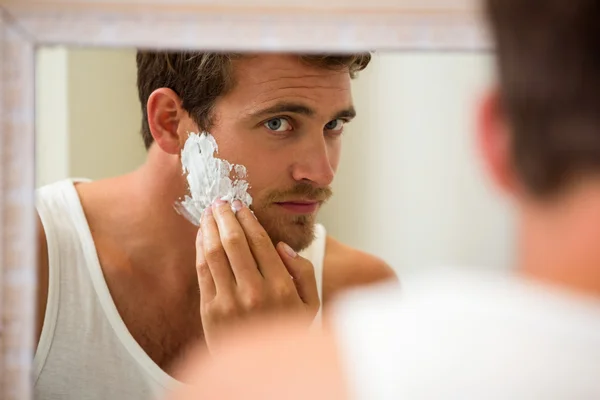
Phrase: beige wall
(88, 114)
(52, 125)
(104, 113)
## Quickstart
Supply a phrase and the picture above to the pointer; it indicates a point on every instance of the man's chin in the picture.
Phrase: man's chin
(301, 243)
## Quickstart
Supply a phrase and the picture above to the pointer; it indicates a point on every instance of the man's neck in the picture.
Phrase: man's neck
(142, 226)
(560, 241)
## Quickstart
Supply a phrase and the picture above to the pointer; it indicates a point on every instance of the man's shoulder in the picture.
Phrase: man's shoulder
(346, 267)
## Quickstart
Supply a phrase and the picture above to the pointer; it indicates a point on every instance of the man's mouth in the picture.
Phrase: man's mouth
(300, 206)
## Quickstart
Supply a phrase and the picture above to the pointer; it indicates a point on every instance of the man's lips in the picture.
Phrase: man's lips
(300, 206)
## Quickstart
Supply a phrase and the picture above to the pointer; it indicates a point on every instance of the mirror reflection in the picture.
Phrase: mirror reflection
(353, 169)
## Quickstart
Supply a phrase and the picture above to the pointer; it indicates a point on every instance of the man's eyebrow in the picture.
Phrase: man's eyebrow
(348, 113)
(298, 108)
(285, 107)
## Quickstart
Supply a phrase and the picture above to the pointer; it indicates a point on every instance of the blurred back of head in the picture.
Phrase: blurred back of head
(548, 54)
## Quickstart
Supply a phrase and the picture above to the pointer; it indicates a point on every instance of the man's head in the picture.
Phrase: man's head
(279, 115)
(541, 132)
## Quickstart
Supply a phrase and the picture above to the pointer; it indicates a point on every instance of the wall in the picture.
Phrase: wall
(88, 115)
(51, 115)
(410, 187)
(105, 116)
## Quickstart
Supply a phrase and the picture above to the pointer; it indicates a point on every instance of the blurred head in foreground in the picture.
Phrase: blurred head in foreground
(539, 135)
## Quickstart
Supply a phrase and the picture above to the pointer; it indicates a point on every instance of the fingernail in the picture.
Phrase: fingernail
(219, 202)
(208, 211)
(290, 252)
(237, 205)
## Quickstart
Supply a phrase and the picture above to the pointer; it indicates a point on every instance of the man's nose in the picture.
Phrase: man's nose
(313, 163)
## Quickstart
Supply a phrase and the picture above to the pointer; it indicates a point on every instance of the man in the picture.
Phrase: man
(530, 335)
(119, 294)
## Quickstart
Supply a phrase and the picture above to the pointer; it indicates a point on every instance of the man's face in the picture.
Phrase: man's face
(283, 120)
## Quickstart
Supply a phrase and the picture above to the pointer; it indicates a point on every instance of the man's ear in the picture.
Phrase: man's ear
(495, 142)
(165, 119)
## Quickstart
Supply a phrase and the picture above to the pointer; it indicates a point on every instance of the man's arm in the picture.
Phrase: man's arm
(43, 278)
(347, 268)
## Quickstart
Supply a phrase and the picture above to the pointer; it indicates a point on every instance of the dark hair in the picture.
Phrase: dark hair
(548, 54)
(200, 78)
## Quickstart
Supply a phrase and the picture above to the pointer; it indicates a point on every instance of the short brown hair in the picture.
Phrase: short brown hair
(200, 78)
(548, 54)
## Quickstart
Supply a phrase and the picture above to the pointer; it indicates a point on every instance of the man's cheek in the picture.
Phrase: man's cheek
(256, 192)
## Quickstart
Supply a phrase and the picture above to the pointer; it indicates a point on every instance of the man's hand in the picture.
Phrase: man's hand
(241, 274)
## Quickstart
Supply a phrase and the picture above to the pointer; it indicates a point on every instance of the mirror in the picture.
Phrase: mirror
(27, 27)
(407, 190)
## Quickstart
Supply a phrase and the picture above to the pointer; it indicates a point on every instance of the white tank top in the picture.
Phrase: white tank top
(85, 351)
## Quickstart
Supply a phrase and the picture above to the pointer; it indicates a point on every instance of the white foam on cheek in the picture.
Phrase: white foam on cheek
(209, 178)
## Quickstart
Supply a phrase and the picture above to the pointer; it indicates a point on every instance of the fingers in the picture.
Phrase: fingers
(236, 246)
(214, 253)
(206, 283)
(261, 246)
(303, 273)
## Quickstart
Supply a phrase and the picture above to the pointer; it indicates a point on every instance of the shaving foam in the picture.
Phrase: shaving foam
(209, 178)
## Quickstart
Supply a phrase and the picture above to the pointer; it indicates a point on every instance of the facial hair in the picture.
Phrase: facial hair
(296, 230)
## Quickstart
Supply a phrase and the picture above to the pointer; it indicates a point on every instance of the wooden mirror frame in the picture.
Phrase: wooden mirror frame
(265, 25)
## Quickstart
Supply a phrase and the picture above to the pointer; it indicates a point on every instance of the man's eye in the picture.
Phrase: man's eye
(335, 125)
(278, 125)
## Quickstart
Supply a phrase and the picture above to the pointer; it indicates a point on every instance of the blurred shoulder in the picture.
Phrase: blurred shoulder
(346, 268)
(265, 360)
